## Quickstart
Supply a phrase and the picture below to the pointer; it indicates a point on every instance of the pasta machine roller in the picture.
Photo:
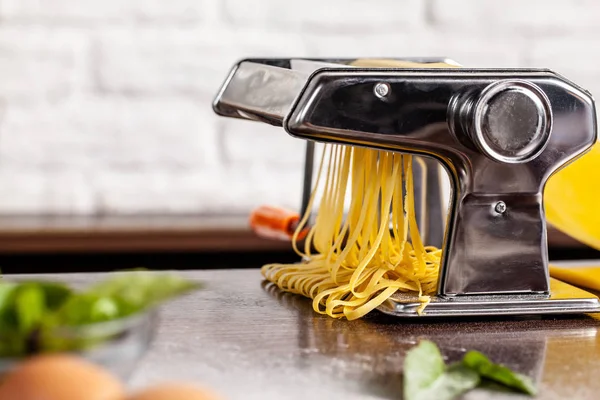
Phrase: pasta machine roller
(498, 133)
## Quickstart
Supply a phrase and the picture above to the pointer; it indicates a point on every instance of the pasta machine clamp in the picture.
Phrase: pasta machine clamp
(499, 134)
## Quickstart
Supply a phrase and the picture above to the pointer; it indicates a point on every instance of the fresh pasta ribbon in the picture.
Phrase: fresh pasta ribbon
(365, 259)
(375, 251)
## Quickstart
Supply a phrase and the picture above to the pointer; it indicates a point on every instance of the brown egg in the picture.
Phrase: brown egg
(59, 377)
(175, 391)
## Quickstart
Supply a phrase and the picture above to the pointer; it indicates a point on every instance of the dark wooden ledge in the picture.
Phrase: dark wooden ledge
(155, 233)
(150, 233)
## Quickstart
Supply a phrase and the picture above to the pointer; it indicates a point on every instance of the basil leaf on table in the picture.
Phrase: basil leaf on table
(498, 373)
(426, 376)
(422, 366)
(453, 382)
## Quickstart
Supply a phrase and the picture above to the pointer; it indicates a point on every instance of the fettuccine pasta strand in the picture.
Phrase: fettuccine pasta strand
(375, 251)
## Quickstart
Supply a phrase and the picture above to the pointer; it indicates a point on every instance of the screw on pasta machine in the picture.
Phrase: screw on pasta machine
(500, 207)
(381, 90)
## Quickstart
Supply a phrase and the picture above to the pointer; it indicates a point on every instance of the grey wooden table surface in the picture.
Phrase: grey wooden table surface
(247, 340)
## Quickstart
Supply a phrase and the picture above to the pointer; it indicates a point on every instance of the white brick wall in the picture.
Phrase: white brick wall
(331, 16)
(83, 12)
(105, 105)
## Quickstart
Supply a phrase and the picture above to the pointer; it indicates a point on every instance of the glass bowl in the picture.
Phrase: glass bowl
(116, 345)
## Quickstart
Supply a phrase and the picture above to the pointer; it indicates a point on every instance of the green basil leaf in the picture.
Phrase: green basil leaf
(86, 308)
(136, 291)
(32, 312)
(30, 307)
(24, 304)
(55, 293)
(479, 363)
(423, 365)
(7, 293)
(455, 381)
(6, 290)
(121, 296)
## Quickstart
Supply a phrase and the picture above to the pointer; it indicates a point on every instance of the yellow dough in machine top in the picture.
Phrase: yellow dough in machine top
(571, 200)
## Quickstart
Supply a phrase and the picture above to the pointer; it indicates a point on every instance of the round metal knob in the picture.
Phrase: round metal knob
(511, 121)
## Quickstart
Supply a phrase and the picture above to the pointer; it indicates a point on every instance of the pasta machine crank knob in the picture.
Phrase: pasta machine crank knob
(509, 121)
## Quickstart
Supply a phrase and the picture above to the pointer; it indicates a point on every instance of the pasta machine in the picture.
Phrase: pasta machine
(498, 133)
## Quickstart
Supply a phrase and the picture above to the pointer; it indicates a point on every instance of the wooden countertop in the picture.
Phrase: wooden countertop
(149, 233)
(247, 340)
(156, 233)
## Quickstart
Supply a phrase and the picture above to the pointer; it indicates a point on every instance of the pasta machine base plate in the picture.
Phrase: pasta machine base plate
(564, 299)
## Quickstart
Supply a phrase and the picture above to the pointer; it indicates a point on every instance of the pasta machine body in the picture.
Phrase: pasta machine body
(499, 134)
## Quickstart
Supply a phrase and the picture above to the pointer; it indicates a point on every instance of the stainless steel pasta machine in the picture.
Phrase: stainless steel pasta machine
(498, 133)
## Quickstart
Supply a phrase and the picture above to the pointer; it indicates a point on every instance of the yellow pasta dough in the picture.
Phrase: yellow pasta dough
(352, 265)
